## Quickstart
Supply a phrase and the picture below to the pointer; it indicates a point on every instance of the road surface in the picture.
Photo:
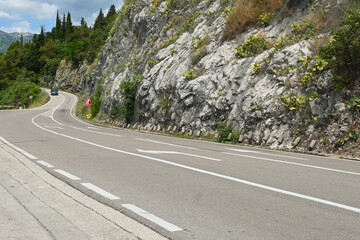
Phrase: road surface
(190, 189)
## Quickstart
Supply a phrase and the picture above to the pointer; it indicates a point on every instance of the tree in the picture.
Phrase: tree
(83, 23)
(63, 28)
(58, 27)
(68, 27)
(111, 12)
(100, 21)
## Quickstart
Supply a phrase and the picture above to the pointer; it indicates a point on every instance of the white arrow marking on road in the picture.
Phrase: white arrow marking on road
(54, 127)
(293, 163)
(274, 155)
(164, 143)
(179, 153)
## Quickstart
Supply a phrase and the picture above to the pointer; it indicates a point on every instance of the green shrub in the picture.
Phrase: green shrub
(265, 18)
(354, 135)
(128, 91)
(354, 102)
(96, 100)
(190, 74)
(224, 129)
(256, 67)
(343, 51)
(253, 46)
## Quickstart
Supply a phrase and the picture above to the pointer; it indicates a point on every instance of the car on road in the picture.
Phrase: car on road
(54, 91)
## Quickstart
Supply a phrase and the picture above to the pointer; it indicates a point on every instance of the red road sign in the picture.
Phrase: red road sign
(88, 102)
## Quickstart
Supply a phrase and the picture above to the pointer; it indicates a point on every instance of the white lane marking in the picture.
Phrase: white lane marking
(275, 155)
(86, 130)
(23, 152)
(93, 128)
(51, 112)
(100, 191)
(242, 150)
(179, 153)
(48, 165)
(169, 144)
(314, 199)
(293, 163)
(72, 110)
(54, 127)
(161, 222)
(66, 174)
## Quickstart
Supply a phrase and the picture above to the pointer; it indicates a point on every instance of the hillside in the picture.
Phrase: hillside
(211, 69)
(7, 38)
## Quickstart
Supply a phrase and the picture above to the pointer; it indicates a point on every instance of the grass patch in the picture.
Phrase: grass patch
(246, 13)
(42, 99)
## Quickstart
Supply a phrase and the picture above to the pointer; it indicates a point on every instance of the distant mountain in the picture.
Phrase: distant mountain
(7, 38)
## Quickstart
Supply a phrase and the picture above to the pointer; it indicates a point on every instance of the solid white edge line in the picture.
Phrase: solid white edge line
(293, 163)
(100, 191)
(353, 209)
(68, 175)
(45, 164)
(23, 152)
(161, 222)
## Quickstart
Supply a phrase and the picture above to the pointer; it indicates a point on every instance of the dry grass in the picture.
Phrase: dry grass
(325, 21)
(246, 13)
(318, 42)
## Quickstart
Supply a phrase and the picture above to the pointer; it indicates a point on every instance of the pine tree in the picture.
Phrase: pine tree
(63, 28)
(111, 12)
(58, 27)
(100, 20)
(68, 28)
(83, 23)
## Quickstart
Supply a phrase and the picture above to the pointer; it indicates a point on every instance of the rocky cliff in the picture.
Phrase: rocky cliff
(264, 83)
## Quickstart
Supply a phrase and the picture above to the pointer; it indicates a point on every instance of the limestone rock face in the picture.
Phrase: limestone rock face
(156, 52)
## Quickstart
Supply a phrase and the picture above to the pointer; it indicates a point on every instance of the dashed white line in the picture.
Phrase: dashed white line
(23, 152)
(68, 175)
(293, 163)
(48, 165)
(100, 191)
(161, 222)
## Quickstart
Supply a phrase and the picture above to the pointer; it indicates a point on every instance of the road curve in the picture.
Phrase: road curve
(189, 189)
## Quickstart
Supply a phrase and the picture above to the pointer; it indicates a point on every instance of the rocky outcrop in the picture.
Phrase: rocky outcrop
(158, 52)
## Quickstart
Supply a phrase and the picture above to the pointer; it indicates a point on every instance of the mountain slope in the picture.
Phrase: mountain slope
(169, 67)
(7, 38)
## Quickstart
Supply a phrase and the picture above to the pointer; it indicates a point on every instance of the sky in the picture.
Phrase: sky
(30, 15)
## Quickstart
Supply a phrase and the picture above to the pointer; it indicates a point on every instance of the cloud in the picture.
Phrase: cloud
(37, 9)
(43, 12)
(4, 15)
(23, 26)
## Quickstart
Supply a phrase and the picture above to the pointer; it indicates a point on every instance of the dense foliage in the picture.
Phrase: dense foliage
(24, 63)
(343, 51)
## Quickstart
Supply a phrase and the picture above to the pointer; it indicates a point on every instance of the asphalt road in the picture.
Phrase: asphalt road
(189, 189)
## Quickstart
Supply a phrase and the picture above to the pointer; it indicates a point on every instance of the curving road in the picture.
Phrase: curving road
(188, 189)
